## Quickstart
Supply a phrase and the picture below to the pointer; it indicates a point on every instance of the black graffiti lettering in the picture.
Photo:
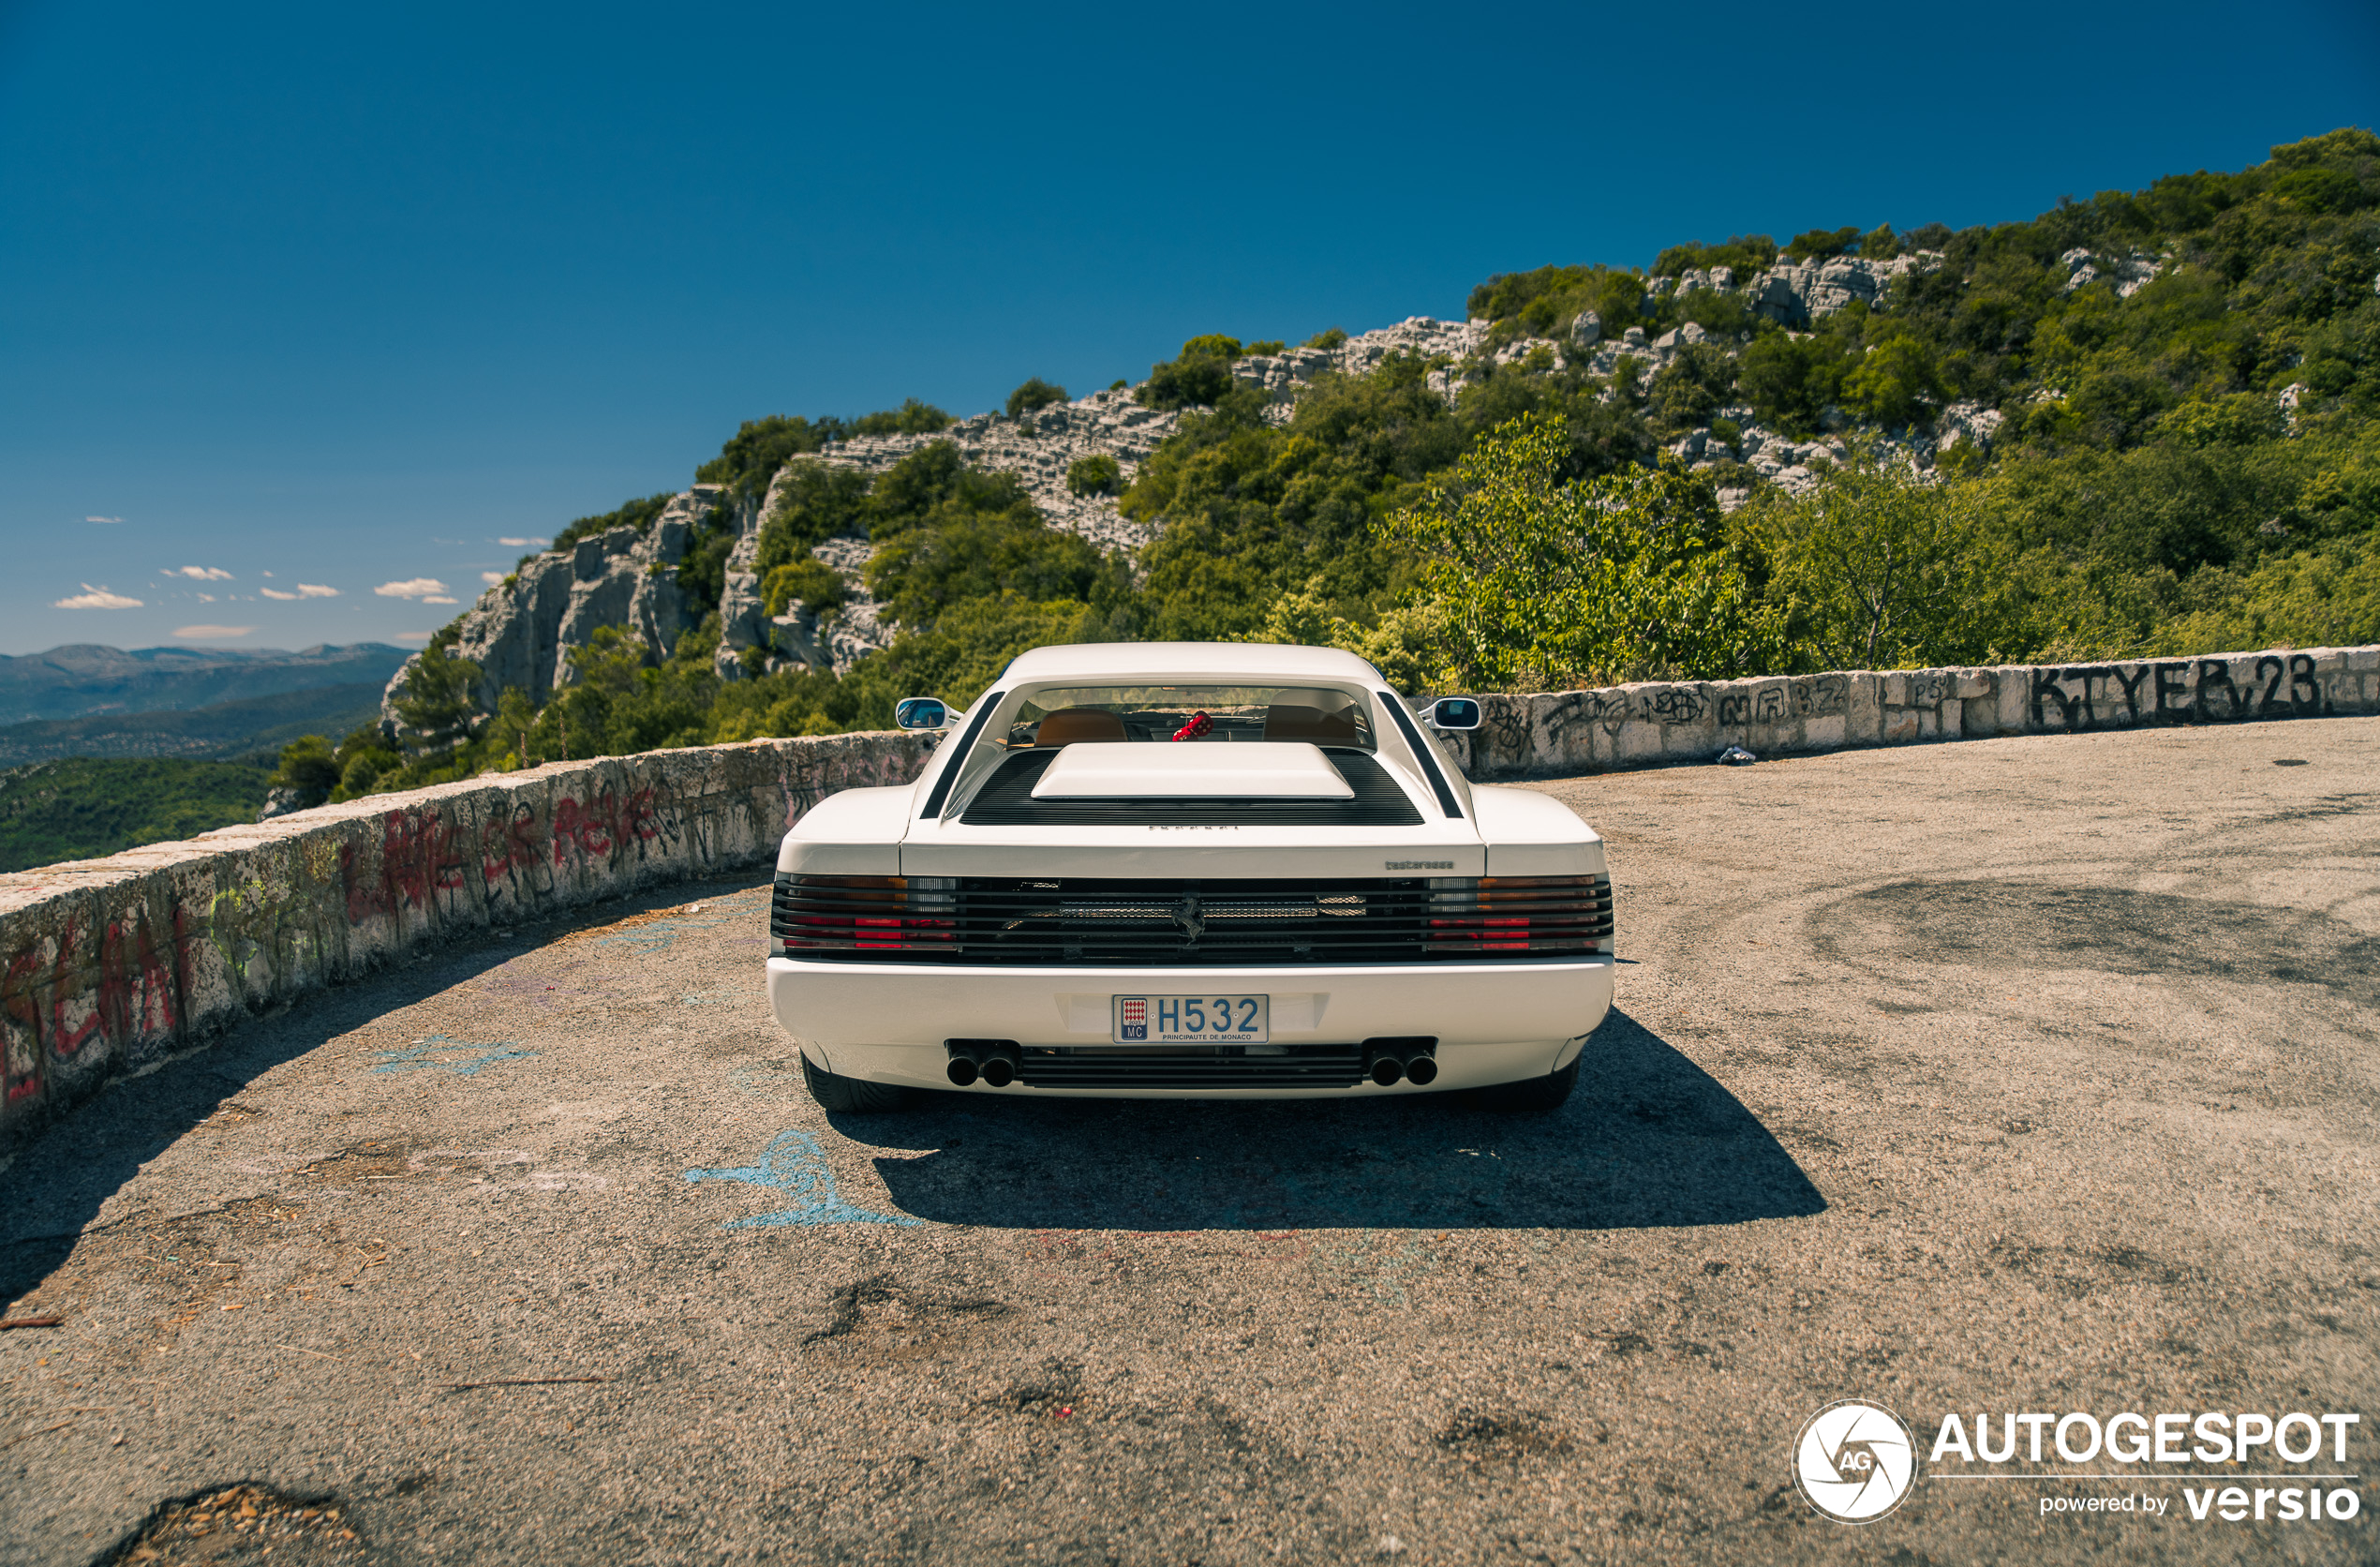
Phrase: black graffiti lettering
(1823, 696)
(2169, 685)
(1678, 705)
(2132, 688)
(2214, 673)
(1770, 706)
(2272, 686)
(2301, 680)
(2045, 683)
(1735, 707)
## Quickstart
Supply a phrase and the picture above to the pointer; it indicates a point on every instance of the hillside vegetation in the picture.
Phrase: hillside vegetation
(84, 808)
(2143, 424)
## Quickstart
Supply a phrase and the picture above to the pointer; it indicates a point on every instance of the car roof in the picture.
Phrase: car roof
(1146, 661)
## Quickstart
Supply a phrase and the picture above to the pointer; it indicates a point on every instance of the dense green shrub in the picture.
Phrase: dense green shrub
(1330, 337)
(1198, 378)
(1095, 474)
(638, 514)
(1544, 582)
(807, 580)
(1746, 253)
(1034, 395)
(309, 766)
(760, 447)
(1688, 392)
(910, 418)
(1818, 244)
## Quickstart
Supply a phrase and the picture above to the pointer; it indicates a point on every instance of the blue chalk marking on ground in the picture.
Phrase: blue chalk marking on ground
(793, 1163)
(417, 1058)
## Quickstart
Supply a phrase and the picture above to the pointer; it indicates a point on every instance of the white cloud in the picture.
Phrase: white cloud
(199, 574)
(524, 543)
(440, 598)
(413, 587)
(207, 598)
(491, 578)
(409, 637)
(103, 519)
(276, 593)
(96, 598)
(305, 591)
(213, 633)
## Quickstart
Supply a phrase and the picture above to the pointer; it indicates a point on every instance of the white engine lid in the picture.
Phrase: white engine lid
(1126, 770)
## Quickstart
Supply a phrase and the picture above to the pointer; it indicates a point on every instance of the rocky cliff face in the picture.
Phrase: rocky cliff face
(521, 631)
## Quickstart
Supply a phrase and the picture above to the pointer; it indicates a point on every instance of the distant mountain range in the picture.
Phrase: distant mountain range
(82, 679)
(258, 724)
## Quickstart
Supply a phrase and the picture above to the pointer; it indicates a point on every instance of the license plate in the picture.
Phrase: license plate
(1193, 1019)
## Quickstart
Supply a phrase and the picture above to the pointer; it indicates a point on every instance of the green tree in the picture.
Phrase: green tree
(438, 705)
(1542, 581)
(309, 766)
(1198, 378)
(1033, 397)
(1879, 570)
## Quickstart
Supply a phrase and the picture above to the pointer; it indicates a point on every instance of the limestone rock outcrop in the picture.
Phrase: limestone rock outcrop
(521, 631)
(1038, 448)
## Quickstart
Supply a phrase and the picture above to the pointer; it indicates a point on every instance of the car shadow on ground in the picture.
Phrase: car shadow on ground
(1647, 1139)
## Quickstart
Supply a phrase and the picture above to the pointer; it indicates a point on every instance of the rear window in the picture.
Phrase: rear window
(1189, 714)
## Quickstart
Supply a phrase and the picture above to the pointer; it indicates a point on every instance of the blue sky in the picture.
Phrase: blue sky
(312, 302)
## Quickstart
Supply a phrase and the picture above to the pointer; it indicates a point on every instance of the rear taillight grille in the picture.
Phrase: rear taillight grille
(1060, 922)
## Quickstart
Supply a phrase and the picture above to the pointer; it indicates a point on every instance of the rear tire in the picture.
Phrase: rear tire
(843, 1096)
(1536, 1096)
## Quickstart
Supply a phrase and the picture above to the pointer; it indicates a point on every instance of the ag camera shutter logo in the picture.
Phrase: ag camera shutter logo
(1855, 1461)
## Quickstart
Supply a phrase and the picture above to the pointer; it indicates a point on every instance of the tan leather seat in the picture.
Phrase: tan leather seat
(1069, 725)
(1292, 720)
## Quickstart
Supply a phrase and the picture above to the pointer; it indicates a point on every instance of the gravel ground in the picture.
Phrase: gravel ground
(2011, 1075)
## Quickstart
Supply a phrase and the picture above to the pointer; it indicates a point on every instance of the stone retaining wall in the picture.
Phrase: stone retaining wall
(107, 966)
(1560, 733)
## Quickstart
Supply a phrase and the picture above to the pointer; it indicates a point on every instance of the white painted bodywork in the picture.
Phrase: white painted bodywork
(1495, 1022)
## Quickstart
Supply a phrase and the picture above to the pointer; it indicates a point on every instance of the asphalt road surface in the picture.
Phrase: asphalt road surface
(2008, 1075)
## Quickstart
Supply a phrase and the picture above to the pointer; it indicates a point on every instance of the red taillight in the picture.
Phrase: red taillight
(867, 914)
(1563, 914)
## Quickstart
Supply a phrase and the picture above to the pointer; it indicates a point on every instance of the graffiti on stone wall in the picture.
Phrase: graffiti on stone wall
(1821, 695)
(2174, 690)
(62, 997)
(267, 920)
(1678, 705)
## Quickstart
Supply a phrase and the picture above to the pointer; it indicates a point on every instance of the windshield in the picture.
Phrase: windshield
(1190, 714)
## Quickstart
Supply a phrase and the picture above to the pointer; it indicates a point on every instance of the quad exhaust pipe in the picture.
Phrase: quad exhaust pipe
(1389, 1062)
(994, 1063)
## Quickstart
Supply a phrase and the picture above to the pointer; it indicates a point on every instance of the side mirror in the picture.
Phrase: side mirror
(921, 712)
(1452, 712)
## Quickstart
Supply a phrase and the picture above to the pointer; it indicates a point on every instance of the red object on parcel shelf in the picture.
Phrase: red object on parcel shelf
(1199, 724)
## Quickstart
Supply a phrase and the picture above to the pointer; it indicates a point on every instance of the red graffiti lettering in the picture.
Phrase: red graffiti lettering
(364, 899)
(64, 989)
(643, 819)
(136, 993)
(507, 845)
(594, 827)
(417, 858)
